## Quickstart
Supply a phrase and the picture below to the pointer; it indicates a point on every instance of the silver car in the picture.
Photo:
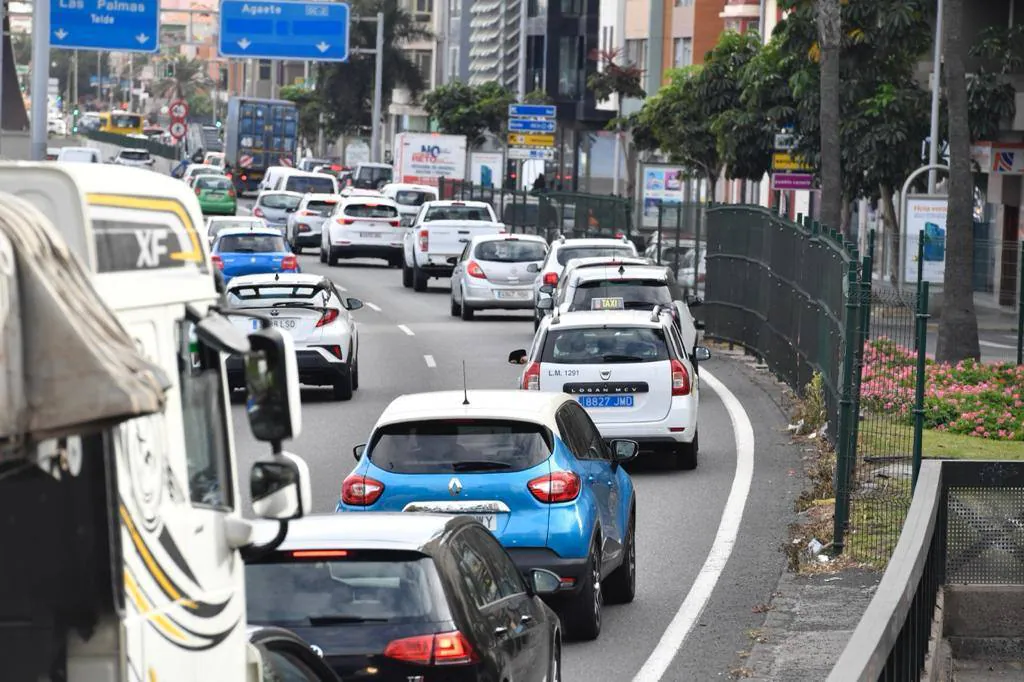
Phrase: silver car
(496, 271)
(305, 224)
(275, 207)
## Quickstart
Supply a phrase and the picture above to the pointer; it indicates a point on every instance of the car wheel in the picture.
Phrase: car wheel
(406, 275)
(620, 587)
(355, 375)
(686, 455)
(394, 262)
(583, 613)
(332, 256)
(456, 309)
(419, 279)
(343, 387)
(323, 254)
(555, 667)
(467, 312)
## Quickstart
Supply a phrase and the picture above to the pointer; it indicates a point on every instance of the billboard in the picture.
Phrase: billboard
(927, 214)
(486, 168)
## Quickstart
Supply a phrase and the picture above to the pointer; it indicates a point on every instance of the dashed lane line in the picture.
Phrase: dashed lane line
(406, 330)
(373, 306)
(429, 359)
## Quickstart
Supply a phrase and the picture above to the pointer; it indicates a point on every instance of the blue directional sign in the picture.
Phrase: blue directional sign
(284, 30)
(119, 25)
(531, 125)
(532, 111)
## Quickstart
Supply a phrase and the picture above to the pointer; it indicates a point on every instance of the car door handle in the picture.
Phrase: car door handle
(500, 631)
(526, 618)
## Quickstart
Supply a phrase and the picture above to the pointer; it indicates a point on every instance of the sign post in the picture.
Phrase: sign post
(179, 113)
(531, 132)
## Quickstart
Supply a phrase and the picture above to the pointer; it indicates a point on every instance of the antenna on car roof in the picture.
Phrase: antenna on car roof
(622, 270)
(465, 391)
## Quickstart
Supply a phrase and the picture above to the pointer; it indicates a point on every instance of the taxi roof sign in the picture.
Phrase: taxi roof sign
(608, 304)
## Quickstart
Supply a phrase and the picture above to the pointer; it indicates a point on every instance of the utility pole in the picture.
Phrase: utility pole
(3, 36)
(74, 81)
(40, 77)
(378, 85)
(933, 147)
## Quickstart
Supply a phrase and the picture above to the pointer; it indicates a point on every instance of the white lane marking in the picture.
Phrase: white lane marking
(340, 288)
(721, 549)
(993, 344)
(406, 330)
(429, 359)
(373, 306)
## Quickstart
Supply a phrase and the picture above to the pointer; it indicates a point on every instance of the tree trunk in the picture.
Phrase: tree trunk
(890, 233)
(958, 322)
(845, 215)
(829, 37)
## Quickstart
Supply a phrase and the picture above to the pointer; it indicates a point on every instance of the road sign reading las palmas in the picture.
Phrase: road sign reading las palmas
(132, 26)
(284, 30)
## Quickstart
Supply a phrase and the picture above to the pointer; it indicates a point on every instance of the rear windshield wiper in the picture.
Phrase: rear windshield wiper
(621, 358)
(479, 465)
(244, 249)
(343, 620)
(296, 304)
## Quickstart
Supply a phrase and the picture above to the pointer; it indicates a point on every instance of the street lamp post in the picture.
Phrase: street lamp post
(378, 86)
(40, 77)
(933, 147)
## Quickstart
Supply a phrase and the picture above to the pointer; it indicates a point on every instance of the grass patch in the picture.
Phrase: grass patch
(878, 434)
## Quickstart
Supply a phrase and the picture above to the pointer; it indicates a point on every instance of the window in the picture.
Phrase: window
(684, 3)
(636, 294)
(423, 6)
(133, 155)
(409, 197)
(424, 60)
(510, 582)
(204, 416)
(572, 8)
(371, 211)
(322, 208)
(636, 52)
(567, 254)
(279, 201)
(250, 243)
(311, 185)
(125, 121)
(597, 345)
(476, 574)
(453, 62)
(214, 182)
(682, 52)
(455, 212)
(510, 251)
(532, 8)
(570, 65)
(454, 9)
(579, 432)
(264, 69)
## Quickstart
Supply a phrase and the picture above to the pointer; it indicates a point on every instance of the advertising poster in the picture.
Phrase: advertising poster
(928, 215)
(486, 168)
(661, 185)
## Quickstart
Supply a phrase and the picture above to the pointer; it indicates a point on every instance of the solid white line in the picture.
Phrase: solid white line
(721, 549)
(429, 359)
(373, 306)
(993, 344)
(406, 330)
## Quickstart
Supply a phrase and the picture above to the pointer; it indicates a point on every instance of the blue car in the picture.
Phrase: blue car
(252, 251)
(531, 467)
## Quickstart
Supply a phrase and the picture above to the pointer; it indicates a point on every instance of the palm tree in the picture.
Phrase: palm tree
(185, 78)
(958, 324)
(829, 39)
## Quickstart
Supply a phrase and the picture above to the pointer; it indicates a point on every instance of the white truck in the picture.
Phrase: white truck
(439, 233)
(124, 541)
(423, 158)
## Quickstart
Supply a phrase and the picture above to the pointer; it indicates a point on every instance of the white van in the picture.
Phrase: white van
(79, 155)
(409, 198)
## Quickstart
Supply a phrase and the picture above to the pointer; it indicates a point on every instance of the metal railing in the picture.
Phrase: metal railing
(962, 529)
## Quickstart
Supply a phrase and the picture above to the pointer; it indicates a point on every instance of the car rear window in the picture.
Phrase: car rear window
(457, 213)
(567, 254)
(636, 294)
(371, 211)
(217, 225)
(321, 208)
(459, 445)
(135, 156)
(304, 185)
(374, 173)
(510, 251)
(78, 155)
(408, 197)
(601, 345)
(251, 243)
(280, 201)
(213, 182)
(292, 590)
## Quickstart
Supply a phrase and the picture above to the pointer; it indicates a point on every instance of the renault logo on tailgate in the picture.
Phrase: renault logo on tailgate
(606, 374)
(455, 487)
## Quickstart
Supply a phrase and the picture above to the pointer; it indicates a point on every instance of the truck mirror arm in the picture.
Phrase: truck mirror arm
(252, 552)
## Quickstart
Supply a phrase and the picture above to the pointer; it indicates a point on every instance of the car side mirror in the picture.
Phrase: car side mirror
(545, 304)
(624, 450)
(453, 260)
(544, 582)
(700, 325)
(533, 268)
(353, 304)
(276, 489)
(701, 353)
(358, 451)
(546, 289)
(291, 209)
(272, 384)
(517, 357)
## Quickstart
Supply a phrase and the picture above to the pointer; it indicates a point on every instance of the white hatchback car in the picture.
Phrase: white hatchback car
(494, 272)
(215, 224)
(319, 319)
(628, 369)
(305, 223)
(363, 227)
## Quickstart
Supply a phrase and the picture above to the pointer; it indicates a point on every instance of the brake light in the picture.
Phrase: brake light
(361, 491)
(551, 278)
(345, 221)
(198, 191)
(289, 263)
(330, 315)
(475, 270)
(531, 377)
(319, 553)
(258, 212)
(307, 213)
(445, 648)
(680, 379)
(394, 223)
(217, 261)
(229, 176)
(560, 486)
(424, 240)
(231, 192)
(243, 178)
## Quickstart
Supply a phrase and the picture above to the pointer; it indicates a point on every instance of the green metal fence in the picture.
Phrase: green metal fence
(799, 296)
(678, 231)
(155, 148)
(549, 214)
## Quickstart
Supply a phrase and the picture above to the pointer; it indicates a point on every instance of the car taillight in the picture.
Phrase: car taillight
(560, 486)
(307, 212)
(330, 315)
(361, 491)
(475, 270)
(258, 212)
(531, 377)
(231, 192)
(229, 176)
(345, 221)
(198, 191)
(445, 648)
(217, 261)
(289, 263)
(395, 223)
(551, 278)
(424, 240)
(680, 379)
(243, 178)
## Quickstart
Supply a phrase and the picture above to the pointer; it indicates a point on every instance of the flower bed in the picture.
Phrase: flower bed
(985, 400)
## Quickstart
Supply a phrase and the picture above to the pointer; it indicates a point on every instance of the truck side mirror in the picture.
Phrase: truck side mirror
(276, 489)
(272, 383)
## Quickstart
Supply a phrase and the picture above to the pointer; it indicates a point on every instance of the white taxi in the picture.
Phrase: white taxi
(628, 369)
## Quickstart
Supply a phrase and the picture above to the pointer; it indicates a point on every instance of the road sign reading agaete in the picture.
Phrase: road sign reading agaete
(284, 30)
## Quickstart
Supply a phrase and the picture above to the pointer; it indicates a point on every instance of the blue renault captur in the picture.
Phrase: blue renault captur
(531, 467)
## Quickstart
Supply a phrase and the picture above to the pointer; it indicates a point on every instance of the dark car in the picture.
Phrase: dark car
(400, 596)
(285, 657)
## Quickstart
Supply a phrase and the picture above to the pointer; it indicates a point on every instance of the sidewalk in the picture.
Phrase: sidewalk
(990, 319)
(811, 618)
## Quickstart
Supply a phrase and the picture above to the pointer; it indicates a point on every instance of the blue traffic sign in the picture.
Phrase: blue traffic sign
(532, 110)
(284, 30)
(105, 25)
(531, 125)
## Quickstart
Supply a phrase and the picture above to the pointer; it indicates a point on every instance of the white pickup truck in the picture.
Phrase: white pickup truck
(441, 231)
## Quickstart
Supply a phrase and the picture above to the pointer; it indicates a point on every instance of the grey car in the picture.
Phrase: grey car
(305, 224)
(275, 207)
(496, 271)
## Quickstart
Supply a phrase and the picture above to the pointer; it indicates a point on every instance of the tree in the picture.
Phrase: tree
(61, 64)
(308, 104)
(185, 78)
(462, 109)
(537, 96)
(829, 37)
(958, 324)
(345, 89)
(623, 80)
